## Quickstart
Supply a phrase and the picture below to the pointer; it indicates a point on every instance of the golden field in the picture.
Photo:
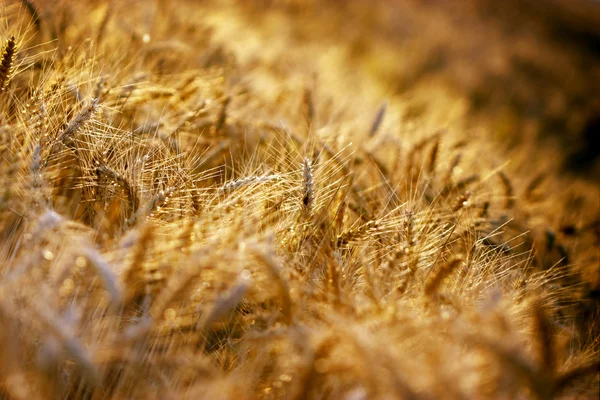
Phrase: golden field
(299, 199)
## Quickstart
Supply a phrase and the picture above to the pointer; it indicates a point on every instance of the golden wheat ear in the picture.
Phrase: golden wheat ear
(6, 66)
(308, 198)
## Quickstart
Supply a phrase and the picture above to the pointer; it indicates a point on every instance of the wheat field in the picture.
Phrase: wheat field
(292, 200)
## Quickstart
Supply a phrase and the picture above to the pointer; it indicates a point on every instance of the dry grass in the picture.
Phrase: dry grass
(227, 200)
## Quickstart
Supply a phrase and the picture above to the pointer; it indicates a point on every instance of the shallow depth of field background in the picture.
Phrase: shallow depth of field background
(299, 199)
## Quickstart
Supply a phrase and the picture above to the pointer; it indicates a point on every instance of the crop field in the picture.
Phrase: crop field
(299, 199)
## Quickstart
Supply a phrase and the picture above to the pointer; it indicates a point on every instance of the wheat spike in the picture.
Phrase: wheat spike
(7, 63)
(308, 197)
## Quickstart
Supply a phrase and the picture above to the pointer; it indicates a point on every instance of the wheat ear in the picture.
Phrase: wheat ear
(8, 59)
(308, 198)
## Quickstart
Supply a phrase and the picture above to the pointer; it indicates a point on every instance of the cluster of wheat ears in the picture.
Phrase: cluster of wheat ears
(190, 211)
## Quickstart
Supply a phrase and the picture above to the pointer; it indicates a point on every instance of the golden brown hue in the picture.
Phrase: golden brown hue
(283, 199)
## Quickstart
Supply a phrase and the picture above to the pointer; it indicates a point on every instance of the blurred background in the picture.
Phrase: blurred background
(529, 70)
